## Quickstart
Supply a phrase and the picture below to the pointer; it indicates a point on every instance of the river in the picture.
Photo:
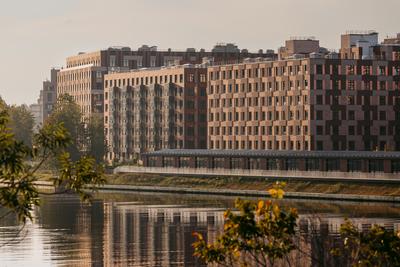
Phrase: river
(148, 229)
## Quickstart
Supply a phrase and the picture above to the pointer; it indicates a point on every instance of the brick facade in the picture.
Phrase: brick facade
(148, 110)
(305, 104)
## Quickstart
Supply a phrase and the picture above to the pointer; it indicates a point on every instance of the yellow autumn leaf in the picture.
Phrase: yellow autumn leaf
(279, 193)
(260, 204)
(272, 192)
(276, 210)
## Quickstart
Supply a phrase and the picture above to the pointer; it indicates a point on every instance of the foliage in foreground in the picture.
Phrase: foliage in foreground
(264, 234)
(259, 234)
(376, 246)
(19, 163)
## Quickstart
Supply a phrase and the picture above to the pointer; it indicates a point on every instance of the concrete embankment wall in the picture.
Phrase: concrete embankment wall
(231, 192)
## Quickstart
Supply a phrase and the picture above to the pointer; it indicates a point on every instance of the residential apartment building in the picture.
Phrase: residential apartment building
(317, 103)
(83, 77)
(147, 110)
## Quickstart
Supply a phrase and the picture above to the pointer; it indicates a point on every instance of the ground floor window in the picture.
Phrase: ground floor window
(152, 161)
(184, 162)
(354, 165)
(201, 162)
(169, 162)
(237, 163)
(395, 165)
(219, 163)
(312, 165)
(291, 164)
(376, 165)
(254, 163)
(272, 164)
(332, 165)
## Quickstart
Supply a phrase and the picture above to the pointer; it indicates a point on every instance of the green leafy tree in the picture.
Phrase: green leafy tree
(95, 137)
(67, 112)
(260, 234)
(18, 175)
(21, 123)
(376, 246)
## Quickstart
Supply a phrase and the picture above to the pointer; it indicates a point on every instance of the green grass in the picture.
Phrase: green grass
(254, 184)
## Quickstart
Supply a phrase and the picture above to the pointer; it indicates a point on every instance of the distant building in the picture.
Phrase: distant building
(147, 110)
(47, 99)
(84, 73)
(36, 112)
(48, 95)
(299, 47)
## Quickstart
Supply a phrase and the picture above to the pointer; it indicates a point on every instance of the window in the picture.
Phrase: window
(319, 69)
(376, 165)
(395, 166)
(291, 164)
(354, 165)
(319, 100)
(320, 130)
(319, 85)
(382, 130)
(319, 115)
(382, 115)
(351, 115)
(352, 145)
(351, 130)
(332, 165)
(312, 164)
(320, 145)
(272, 164)
(382, 100)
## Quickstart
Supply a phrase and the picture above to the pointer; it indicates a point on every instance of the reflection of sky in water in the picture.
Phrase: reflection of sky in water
(31, 248)
(144, 229)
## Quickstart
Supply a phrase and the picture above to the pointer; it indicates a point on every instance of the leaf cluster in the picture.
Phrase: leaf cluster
(258, 234)
(19, 164)
(375, 246)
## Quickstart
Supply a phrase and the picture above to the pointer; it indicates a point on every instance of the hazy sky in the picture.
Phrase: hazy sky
(40, 34)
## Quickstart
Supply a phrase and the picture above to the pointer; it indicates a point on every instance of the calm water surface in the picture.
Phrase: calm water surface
(152, 229)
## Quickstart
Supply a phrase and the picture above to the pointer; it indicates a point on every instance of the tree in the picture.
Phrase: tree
(95, 137)
(18, 190)
(260, 234)
(21, 123)
(375, 246)
(66, 111)
(263, 234)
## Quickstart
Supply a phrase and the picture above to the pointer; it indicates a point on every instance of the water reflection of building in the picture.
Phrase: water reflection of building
(135, 234)
(155, 235)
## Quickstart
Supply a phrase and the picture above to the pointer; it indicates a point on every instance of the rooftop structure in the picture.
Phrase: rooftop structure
(299, 47)
(358, 44)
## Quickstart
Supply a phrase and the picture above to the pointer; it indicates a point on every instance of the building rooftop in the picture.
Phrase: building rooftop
(275, 153)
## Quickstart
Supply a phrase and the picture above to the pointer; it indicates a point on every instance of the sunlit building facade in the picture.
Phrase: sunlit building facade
(315, 103)
(147, 110)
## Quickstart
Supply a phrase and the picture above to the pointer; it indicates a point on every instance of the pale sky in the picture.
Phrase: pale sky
(36, 35)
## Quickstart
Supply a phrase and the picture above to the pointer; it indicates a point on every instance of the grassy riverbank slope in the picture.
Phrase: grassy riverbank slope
(260, 184)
